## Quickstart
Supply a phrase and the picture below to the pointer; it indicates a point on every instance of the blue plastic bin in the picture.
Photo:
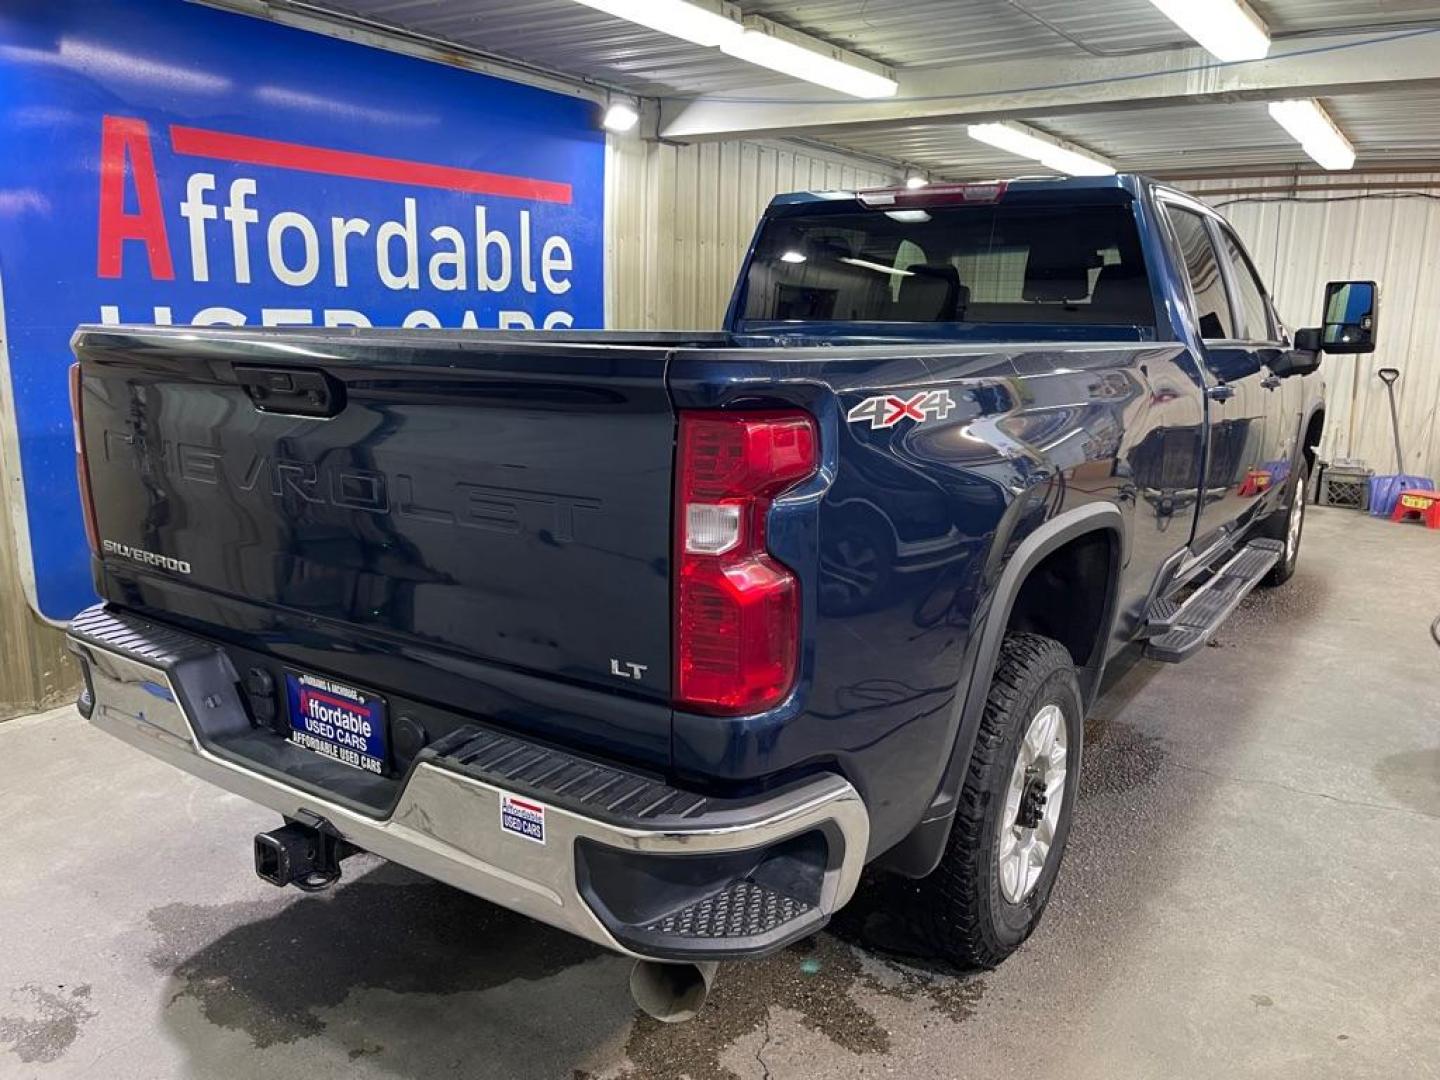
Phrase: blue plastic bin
(1385, 490)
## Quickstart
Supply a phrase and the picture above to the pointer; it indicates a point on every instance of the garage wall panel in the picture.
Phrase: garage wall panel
(679, 219)
(35, 669)
(1390, 236)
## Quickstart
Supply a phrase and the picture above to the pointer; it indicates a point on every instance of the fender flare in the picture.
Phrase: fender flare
(1307, 417)
(920, 851)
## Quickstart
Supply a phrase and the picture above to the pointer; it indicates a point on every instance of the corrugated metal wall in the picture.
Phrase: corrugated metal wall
(679, 219)
(35, 670)
(1385, 236)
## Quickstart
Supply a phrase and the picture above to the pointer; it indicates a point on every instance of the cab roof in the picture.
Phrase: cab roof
(1133, 183)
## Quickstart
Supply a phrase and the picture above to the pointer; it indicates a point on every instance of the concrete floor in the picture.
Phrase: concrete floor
(1252, 889)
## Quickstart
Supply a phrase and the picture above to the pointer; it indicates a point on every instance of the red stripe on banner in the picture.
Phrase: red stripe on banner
(525, 805)
(249, 150)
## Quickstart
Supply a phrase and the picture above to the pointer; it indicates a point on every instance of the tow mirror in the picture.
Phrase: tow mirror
(1350, 315)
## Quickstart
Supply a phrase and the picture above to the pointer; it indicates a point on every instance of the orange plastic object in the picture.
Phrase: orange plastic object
(1413, 502)
(1255, 482)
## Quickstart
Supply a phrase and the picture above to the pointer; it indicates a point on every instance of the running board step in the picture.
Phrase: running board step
(1177, 631)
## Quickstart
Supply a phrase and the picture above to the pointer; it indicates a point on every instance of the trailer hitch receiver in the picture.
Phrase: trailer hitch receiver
(305, 853)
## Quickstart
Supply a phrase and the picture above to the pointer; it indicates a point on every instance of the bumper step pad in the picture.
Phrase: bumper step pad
(566, 779)
(1177, 631)
(138, 638)
(740, 910)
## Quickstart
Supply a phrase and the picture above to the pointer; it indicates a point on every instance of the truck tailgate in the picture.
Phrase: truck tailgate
(469, 496)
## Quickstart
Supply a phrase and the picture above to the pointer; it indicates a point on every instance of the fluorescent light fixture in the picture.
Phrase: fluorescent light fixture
(866, 264)
(792, 256)
(1074, 163)
(769, 45)
(1037, 146)
(1311, 126)
(621, 116)
(916, 180)
(718, 24)
(700, 23)
(1227, 29)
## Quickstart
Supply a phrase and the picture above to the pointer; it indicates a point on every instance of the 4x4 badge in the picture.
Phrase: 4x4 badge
(887, 410)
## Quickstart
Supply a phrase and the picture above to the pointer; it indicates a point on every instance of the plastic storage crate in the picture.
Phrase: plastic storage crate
(1347, 486)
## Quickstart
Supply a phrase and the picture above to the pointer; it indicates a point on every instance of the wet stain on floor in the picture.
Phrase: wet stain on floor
(273, 974)
(50, 1022)
(814, 979)
(269, 973)
(1119, 758)
(1412, 779)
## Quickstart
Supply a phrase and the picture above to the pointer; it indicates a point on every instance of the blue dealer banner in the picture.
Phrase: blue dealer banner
(165, 162)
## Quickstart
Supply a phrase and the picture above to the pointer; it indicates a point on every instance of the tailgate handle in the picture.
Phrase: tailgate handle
(297, 391)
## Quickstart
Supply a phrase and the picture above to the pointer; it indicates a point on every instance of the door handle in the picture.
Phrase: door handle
(296, 391)
(1220, 392)
(1271, 382)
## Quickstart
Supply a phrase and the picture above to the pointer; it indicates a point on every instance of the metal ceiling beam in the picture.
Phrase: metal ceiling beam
(1288, 191)
(336, 22)
(1310, 67)
(1297, 173)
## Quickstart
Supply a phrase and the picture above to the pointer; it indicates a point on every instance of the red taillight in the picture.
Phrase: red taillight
(82, 467)
(737, 610)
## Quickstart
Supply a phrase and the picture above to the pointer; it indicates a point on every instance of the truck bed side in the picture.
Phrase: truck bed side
(902, 547)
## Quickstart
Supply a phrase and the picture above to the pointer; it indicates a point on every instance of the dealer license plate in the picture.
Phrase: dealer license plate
(337, 721)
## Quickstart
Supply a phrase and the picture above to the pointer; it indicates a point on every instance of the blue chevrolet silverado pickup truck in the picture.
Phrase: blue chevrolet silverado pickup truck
(661, 638)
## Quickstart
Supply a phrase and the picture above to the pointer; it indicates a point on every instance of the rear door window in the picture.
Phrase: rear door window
(1202, 267)
(1254, 311)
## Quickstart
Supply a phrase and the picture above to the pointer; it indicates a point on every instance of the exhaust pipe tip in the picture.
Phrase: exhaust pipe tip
(671, 993)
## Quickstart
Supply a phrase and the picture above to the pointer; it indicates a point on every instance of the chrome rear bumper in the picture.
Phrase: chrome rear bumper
(145, 682)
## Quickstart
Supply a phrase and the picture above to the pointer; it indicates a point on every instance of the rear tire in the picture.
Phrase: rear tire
(1289, 527)
(985, 897)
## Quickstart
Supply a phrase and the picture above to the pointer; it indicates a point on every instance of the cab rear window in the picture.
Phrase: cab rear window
(991, 263)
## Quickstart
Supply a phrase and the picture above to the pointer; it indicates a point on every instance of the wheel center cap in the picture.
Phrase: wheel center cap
(1032, 801)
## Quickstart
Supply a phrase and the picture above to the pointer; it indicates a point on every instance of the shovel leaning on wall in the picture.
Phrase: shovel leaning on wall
(1384, 490)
